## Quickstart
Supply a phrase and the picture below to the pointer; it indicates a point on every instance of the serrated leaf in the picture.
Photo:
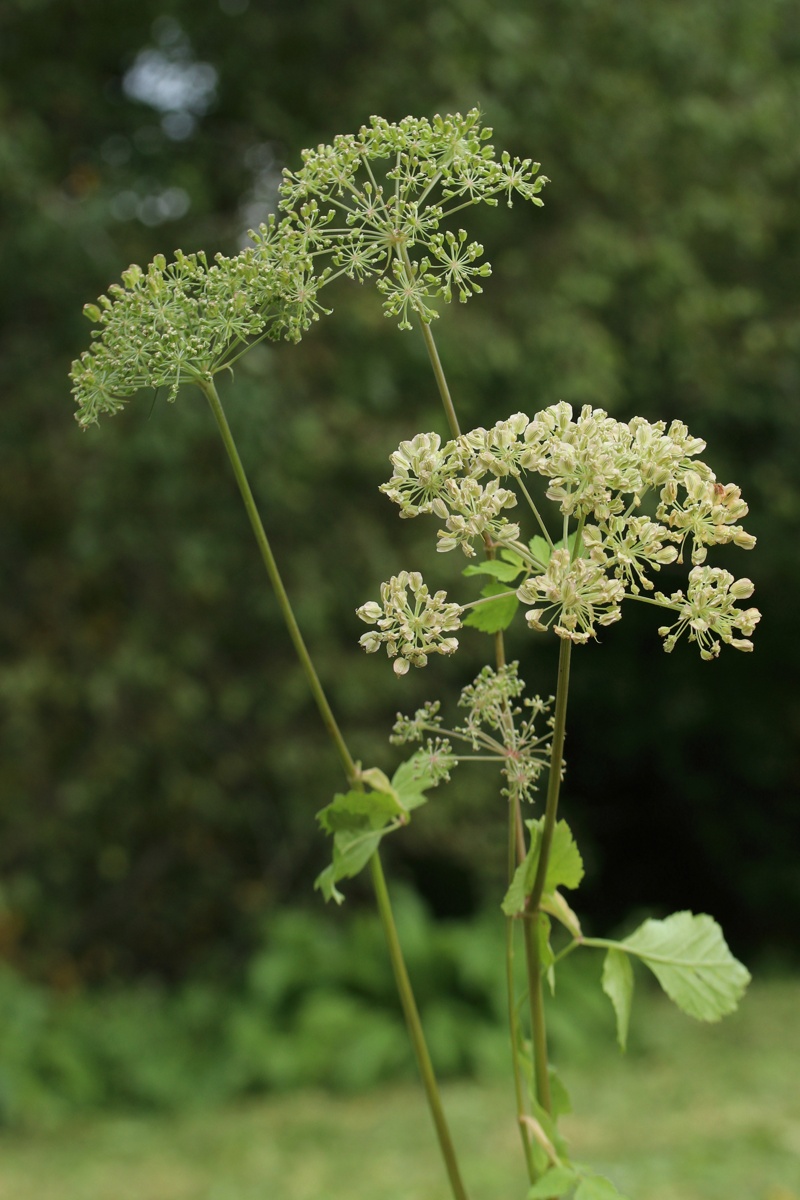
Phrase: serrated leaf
(411, 779)
(514, 899)
(618, 986)
(506, 572)
(495, 615)
(540, 549)
(691, 960)
(565, 868)
(358, 810)
(555, 1182)
(597, 1187)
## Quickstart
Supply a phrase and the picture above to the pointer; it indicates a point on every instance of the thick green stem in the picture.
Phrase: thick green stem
(415, 1029)
(352, 774)
(513, 1023)
(554, 779)
(532, 913)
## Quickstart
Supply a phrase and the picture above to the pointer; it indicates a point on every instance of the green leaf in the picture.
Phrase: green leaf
(597, 1187)
(546, 955)
(555, 1182)
(375, 778)
(564, 868)
(555, 904)
(540, 549)
(522, 884)
(326, 883)
(504, 571)
(689, 957)
(358, 810)
(495, 616)
(618, 986)
(559, 1095)
(411, 779)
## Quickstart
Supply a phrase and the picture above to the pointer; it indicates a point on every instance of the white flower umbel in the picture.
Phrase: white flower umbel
(708, 612)
(411, 623)
(574, 594)
(598, 471)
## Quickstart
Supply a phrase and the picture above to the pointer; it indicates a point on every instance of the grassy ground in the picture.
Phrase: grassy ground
(697, 1113)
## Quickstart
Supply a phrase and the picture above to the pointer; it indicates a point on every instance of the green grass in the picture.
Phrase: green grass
(695, 1113)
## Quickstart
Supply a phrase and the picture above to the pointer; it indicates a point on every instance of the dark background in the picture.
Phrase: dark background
(160, 760)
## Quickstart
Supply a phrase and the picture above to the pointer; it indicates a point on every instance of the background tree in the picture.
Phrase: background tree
(158, 770)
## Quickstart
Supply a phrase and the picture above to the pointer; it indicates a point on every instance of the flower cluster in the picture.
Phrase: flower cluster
(575, 593)
(496, 726)
(181, 322)
(708, 611)
(599, 472)
(411, 623)
(374, 203)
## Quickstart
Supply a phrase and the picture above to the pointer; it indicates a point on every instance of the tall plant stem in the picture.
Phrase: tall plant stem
(513, 1023)
(351, 772)
(516, 840)
(415, 1029)
(532, 912)
(281, 594)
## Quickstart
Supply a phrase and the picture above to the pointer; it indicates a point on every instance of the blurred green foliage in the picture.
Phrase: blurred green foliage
(160, 761)
(316, 1006)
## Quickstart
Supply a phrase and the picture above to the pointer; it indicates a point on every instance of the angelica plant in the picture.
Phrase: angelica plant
(564, 519)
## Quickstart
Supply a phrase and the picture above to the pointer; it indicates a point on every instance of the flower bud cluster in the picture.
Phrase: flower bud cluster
(708, 612)
(411, 622)
(496, 725)
(183, 321)
(375, 201)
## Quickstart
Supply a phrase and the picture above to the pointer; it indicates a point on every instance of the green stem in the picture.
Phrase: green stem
(513, 1023)
(348, 764)
(415, 1029)
(352, 773)
(539, 1032)
(436, 362)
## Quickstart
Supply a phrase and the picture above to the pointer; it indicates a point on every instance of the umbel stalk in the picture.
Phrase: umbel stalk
(351, 771)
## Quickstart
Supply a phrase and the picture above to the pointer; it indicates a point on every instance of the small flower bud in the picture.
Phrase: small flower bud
(742, 589)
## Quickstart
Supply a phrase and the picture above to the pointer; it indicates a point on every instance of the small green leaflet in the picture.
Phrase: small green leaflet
(555, 904)
(597, 1187)
(557, 1181)
(497, 615)
(359, 819)
(358, 810)
(691, 960)
(558, 1094)
(506, 572)
(541, 549)
(564, 869)
(618, 986)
